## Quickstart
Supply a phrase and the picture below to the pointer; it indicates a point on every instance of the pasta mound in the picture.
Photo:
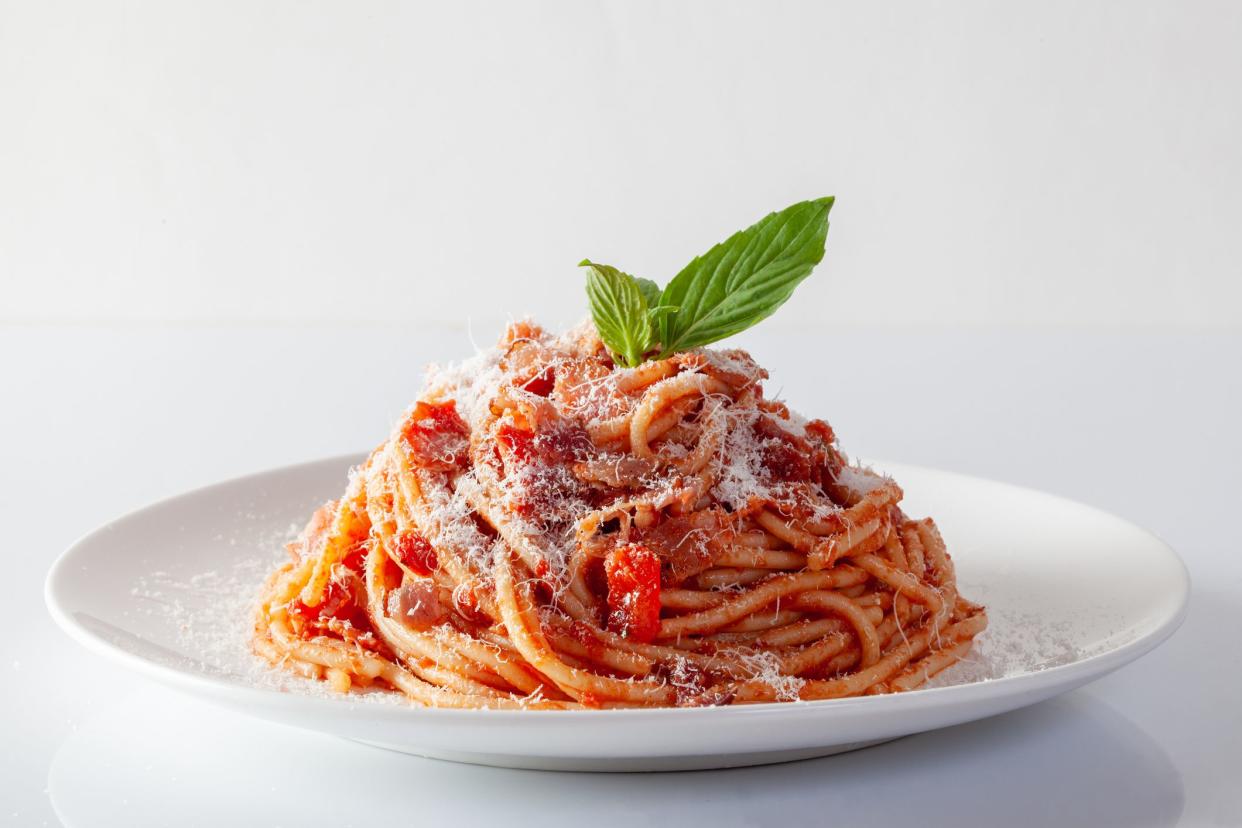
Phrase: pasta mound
(545, 529)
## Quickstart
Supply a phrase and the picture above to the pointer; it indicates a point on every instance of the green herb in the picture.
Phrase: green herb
(735, 285)
(650, 291)
(620, 311)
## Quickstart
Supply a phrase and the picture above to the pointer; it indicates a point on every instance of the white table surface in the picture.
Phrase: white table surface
(99, 420)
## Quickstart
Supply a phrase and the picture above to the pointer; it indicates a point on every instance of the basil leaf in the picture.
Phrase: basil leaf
(619, 311)
(658, 311)
(655, 310)
(744, 279)
(650, 291)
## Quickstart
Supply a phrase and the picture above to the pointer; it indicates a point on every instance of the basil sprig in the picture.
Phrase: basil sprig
(737, 284)
(620, 311)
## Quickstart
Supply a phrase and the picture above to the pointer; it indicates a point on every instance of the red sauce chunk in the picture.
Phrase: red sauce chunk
(517, 445)
(466, 603)
(785, 463)
(552, 447)
(565, 444)
(416, 553)
(542, 383)
(356, 558)
(819, 431)
(633, 574)
(536, 464)
(785, 458)
(338, 604)
(436, 436)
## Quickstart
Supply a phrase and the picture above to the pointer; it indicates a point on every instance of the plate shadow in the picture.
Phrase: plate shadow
(158, 759)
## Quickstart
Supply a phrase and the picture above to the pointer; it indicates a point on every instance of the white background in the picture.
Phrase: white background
(1045, 162)
(232, 233)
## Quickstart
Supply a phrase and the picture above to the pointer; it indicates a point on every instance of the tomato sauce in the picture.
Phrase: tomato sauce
(633, 573)
(415, 552)
(437, 436)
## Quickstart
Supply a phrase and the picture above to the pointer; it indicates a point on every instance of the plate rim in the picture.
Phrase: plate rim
(1068, 675)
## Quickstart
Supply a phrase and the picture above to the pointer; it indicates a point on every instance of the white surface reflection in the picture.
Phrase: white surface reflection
(157, 759)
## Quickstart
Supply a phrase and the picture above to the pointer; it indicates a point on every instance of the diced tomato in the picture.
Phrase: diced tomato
(337, 603)
(436, 435)
(517, 445)
(537, 465)
(542, 383)
(356, 558)
(416, 553)
(559, 445)
(633, 573)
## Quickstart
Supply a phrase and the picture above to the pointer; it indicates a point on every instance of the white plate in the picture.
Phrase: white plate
(1072, 593)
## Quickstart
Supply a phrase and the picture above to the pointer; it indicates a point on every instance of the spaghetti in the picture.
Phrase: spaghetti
(545, 529)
